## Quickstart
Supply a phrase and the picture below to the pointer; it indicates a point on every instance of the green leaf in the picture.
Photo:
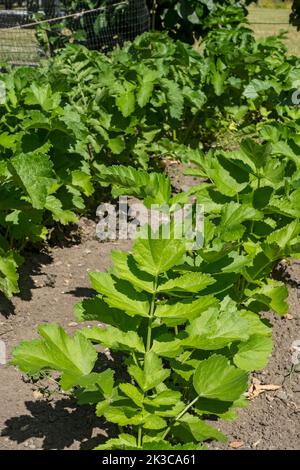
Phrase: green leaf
(115, 339)
(123, 442)
(255, 86)
(174, 97)
(233, 215)
(165, 398)
(83, 181)
(147, 79)
(282, 237)
(43, 96)
(185, 310)
(153, 188)
(125, 267)
(153, 373)
(123, 416)
(215, 378)
(254, 353)
(154, 422)
(96, 309)
(256, 325)
(190, 282)
(273, 294)
(133, 393)
(73, 357)
(7, 140)
(34, 173)
(257, 153)
(165, 348)
(120, 294)
(194, 428)
(261, 197)
(100, 380)
(58, 213)
(215, 330)
(125, 101)
(116, 145)
(96, 386)
(220, 176)
(155, 256)
(9, 276)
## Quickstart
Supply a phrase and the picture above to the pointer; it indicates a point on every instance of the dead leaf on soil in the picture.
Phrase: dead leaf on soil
(236, 444)
(256, 388)
(37, 395)
(288, 316)
(255, 444)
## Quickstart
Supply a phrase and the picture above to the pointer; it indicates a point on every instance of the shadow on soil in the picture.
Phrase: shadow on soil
(33, 266)
(85, 292)
(60, 425)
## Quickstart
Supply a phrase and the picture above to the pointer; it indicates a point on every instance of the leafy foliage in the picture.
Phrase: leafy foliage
(187, 323)
(189, 20)
(165, 349)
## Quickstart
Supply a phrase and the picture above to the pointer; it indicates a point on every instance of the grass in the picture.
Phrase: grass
(267, 16)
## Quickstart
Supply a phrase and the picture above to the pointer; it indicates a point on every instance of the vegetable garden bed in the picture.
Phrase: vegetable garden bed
(175, 335)
(36, 416)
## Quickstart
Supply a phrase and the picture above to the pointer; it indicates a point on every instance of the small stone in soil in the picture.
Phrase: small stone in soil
(282, 395)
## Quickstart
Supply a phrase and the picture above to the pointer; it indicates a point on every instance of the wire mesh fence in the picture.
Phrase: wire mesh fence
(108, 24)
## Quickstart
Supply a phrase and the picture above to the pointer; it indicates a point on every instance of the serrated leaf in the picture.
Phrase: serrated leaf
(254, 353)
(126, 268)
(125, 101)
(73, 357)
(133, 393)
(165, 398)
(190, 282)
(257, 153)
(273, 294)
(115, 339)
(156, 256)
(153, 188)
(214, 331)
(185, 310)
(192, 427)
(97, 309)
(34, 173)
(98, 380)
(116, 145)
(215, 378)
(154, 422)
(64, 216)
(152, 374)
(123, 442)
(9, 276)
(120, 294)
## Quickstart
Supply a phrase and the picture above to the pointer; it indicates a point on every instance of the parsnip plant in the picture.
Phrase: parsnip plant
(187, 323)
(186, 350)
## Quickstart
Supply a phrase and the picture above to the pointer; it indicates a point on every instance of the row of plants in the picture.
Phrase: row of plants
(152, 98)
(185, 325)
(186, 20)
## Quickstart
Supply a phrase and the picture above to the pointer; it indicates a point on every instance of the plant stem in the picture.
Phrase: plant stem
(151, 314)
(148, 347)
(190, 127)
(139, 440)
(180, 415)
